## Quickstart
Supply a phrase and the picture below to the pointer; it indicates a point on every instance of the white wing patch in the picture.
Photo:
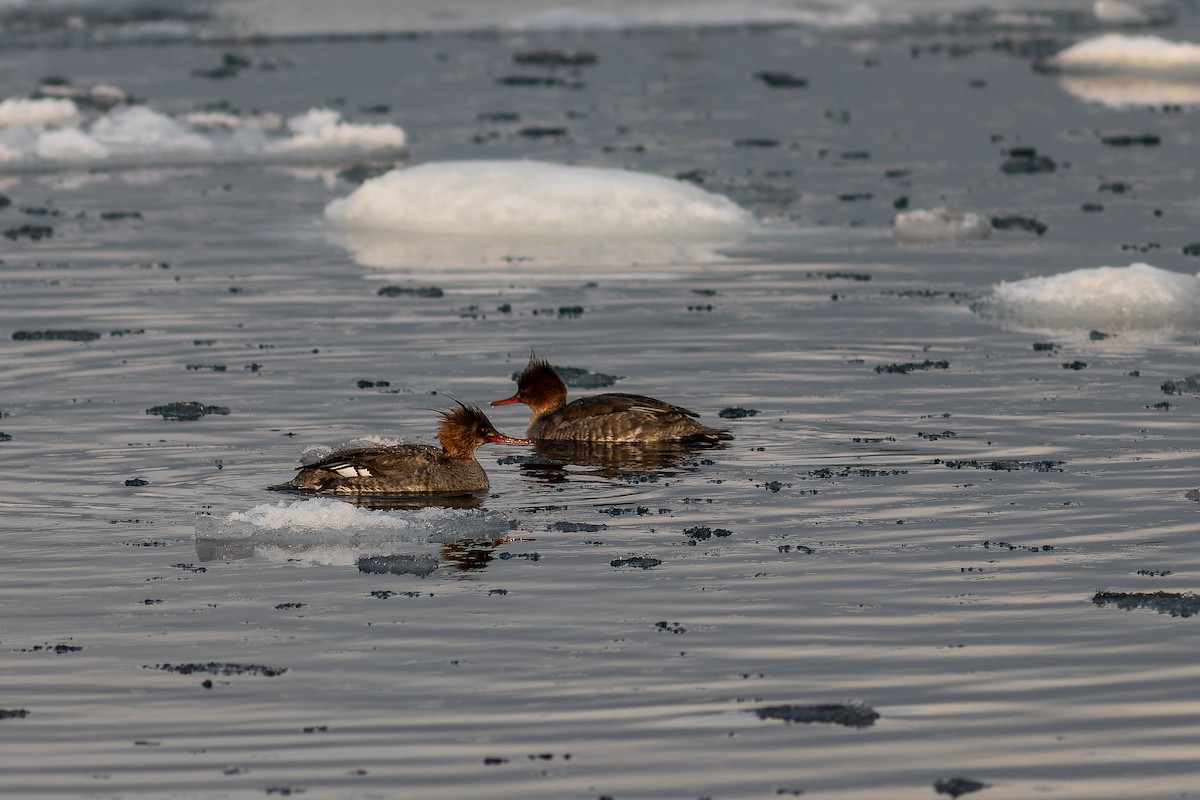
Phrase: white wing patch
(351, 471)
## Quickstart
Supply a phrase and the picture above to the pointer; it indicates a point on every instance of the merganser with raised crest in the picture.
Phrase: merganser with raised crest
(416, 469)
(611, 417)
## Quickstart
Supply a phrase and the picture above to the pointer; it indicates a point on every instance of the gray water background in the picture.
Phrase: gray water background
(556, 677)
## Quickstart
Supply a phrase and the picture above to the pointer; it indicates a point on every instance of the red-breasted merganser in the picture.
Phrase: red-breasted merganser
(611, 417)
(409, 468)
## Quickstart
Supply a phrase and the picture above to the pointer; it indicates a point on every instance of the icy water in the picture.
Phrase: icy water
(915, 520)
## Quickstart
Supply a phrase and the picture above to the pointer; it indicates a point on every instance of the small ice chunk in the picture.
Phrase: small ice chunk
(40, 112)
(1117, 53)
(334, 520)
(939, 225)
(1134, 298)
(1116, 12)
(536, 200)
(325, 530)
(324, 129)
(106, 96)
(309, 516)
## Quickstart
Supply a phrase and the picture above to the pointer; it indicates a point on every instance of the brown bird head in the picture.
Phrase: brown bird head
(538, 387)
(466, 428)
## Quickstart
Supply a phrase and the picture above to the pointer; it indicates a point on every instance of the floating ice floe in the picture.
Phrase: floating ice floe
(1120, 53)
(1134, 298)
(1119, 70)
(451, 210)
(324, 530)
(923, 226)
(536, 199)
(47, 134)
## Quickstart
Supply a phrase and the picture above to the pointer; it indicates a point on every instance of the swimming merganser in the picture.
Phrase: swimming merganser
(611, 417)
(409, 468)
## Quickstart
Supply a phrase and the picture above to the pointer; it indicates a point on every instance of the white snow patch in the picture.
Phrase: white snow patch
(940, 225)
(533, 200)
(1121, 53)
(1134, 298)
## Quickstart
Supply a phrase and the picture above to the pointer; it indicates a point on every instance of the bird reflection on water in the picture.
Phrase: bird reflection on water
(551, 459)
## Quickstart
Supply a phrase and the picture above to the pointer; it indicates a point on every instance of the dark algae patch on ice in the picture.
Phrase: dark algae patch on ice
(70, 335)
(904, 369)
(555, 58)
(701, 533)
(217, 668)
(849, 714)
(188, 410)
(781, 80)
(576, 527)
(641, 562)
(1131, 139)
(1176, 604)
(1018, 223)
(34, 233)
(411, 291)
(1002, 465)
(1188, 385)
(1027, 161)
(402, 564)
(989, 544)
(957, 786)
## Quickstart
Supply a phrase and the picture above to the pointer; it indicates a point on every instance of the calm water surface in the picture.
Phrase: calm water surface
(874, 554)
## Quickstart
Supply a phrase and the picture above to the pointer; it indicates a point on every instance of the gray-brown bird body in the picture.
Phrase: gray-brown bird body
(416, 469)
(611, 417)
